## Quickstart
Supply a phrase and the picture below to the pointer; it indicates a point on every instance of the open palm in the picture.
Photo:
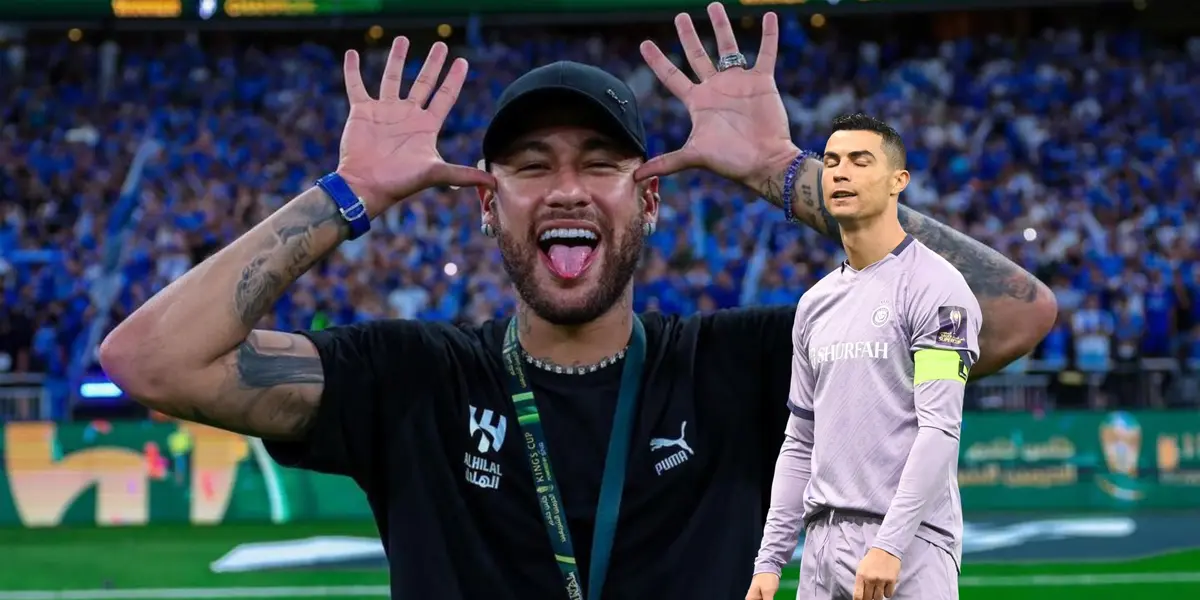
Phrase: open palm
(738, 121)
(389, 146)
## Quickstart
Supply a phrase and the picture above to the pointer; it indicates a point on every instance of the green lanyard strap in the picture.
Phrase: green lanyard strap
(546, 483)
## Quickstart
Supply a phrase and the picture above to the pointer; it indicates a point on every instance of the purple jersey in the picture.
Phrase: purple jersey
(881, 358)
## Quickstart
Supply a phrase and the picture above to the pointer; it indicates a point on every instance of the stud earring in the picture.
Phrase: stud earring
(648, 228)
(487, 230)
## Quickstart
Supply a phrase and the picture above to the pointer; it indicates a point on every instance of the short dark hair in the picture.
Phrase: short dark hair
(893, 146)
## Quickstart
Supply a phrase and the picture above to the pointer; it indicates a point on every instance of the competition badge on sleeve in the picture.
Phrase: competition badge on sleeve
(952, 327)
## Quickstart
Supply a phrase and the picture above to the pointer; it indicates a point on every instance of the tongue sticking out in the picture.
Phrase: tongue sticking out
(569, 261)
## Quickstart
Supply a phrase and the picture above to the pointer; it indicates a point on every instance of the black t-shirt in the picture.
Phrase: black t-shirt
(418, 414)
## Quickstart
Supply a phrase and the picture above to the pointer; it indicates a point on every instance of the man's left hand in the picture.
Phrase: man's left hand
(877, 575)
(739, 126)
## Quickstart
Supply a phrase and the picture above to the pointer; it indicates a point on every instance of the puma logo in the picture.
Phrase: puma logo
(620, 103)
(681, 442)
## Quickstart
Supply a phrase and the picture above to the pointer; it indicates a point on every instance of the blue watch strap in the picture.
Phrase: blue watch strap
(351, 207)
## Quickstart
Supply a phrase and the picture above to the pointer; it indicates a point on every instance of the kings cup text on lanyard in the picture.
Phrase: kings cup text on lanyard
(545, 481)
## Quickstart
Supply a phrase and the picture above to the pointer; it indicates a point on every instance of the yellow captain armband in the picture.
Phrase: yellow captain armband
(939, 365)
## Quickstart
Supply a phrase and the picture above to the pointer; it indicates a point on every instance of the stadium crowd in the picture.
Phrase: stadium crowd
(1075, 154)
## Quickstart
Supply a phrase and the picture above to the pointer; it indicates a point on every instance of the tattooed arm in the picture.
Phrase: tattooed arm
(1018, 310)
(190, 351)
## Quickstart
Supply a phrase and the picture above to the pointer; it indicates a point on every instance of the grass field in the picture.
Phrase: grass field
(173, 562)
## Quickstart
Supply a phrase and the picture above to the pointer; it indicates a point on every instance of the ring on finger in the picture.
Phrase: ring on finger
(730, 61)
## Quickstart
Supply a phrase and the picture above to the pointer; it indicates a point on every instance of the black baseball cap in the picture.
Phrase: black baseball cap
(563, 81)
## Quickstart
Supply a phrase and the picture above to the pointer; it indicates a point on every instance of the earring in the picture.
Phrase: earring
(648, 228)
(487, 230)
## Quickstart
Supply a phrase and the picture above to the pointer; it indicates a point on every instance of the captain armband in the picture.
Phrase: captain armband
(940, 365)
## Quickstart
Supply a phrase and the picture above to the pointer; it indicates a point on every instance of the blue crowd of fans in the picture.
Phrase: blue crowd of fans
(1074, 154)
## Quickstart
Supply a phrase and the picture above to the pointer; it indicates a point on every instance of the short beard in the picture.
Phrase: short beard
(620, 263)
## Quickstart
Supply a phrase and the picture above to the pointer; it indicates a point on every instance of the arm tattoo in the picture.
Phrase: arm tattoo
(256, 290)
(808, 199)
(264, 367)
(283, 258)
(772, 189)
(988, 272)
(264, 390)
(802, 192)
(524, 325)
(805, 194)
(1005, 291)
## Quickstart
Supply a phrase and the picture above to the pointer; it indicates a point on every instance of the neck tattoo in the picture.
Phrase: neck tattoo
(552, 367)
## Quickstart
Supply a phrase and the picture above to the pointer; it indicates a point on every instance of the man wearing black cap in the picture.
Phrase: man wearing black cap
(570, 238)
(576, 447)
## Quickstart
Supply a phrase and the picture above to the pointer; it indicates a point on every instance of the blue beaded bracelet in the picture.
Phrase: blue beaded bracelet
(789, 182)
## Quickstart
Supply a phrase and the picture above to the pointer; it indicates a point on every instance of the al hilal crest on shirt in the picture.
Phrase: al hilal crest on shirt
(489, 428)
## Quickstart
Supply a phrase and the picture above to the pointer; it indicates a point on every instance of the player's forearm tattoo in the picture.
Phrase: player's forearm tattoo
(260, 365)
(252, 401)
(286, 255)
(808, 199)
(988, 272)
(271, 386)
(284, 415)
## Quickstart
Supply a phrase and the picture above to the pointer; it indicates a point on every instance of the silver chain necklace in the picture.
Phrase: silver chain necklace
(546, 365)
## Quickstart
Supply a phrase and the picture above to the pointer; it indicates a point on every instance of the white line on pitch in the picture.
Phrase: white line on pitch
(351, 591)
(1077, 579)
(1082, 579)
(345, 591)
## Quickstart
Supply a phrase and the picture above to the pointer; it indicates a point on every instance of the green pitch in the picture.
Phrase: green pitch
(166, 561)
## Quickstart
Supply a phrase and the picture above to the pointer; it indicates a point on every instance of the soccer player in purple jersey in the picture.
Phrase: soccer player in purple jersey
(883, 347)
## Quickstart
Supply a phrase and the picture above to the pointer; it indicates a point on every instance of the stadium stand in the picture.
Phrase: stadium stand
(123, 163)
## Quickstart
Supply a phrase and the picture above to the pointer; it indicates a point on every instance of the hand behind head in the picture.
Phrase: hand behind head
(389, 146)
(738, 121)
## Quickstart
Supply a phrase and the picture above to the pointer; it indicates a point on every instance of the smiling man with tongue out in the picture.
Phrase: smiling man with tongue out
(574, 447)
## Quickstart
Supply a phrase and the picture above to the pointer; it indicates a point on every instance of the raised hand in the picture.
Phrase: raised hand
(739, 127)
(389, 146)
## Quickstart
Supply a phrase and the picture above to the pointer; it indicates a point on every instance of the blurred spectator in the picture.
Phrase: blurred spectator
(1092, 328)
(16, 342)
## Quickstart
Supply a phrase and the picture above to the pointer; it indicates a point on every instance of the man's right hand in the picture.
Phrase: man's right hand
(389, 146)
(763, 587)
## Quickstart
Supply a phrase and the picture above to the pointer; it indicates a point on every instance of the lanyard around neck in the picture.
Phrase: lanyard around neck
(545, 479)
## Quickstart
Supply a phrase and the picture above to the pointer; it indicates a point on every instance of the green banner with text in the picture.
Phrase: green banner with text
(1080, 461)
(135, 473)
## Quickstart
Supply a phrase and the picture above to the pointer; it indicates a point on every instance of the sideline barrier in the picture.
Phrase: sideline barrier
(135, 473)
